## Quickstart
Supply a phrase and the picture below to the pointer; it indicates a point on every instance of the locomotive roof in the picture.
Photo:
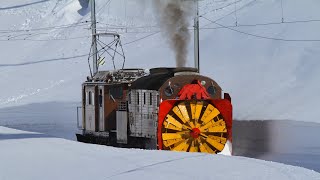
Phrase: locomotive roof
(157, 77)
(117, 76)
(138, 78)
(172, 70)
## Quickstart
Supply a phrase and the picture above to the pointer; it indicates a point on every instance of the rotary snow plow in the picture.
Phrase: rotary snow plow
(197, 124)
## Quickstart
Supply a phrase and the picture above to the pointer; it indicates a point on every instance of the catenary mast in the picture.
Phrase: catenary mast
(94, 36)
(196, 38)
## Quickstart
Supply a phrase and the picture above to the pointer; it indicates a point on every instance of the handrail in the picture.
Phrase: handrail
(78, 123)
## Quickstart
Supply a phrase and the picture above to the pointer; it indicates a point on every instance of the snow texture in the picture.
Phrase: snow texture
(31, 156)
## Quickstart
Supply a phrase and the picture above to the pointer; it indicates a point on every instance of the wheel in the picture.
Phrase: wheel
(194, 126)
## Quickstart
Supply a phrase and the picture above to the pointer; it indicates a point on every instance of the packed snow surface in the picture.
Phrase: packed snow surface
(33, 156)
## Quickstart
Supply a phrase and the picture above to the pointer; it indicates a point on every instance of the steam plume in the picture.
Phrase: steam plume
(174, 18)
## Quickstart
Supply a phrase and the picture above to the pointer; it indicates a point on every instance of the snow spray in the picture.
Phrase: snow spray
(174, 18)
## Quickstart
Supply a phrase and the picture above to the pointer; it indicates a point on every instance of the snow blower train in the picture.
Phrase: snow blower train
(174, 109)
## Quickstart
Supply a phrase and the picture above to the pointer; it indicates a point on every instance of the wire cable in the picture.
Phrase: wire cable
(42, 61)
(264, 37)
(46, 28)
(139, 39)
(115, 26)
(220, 8)
(57, 39)
(103, 6)
(244, 6)
(266, 24)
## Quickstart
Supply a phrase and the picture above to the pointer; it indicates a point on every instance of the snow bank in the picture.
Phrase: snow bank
(31, 156)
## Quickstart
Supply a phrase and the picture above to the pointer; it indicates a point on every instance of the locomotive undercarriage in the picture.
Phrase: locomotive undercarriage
(110, 139)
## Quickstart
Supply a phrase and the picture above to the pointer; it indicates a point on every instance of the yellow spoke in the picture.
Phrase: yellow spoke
(222, 140)
(210, 113)
(170, 126)
(212, 124)
(184, 111)
(217, 129)
(202, 148)
(191, 124)
(185, 114)
(186, 127)
(198, 110)
(167, 136)
(208, 148)
(176, 110)
(215, 144)
(193, 148)
(181, 147)
(197, 113)
(170, 142)
(173, 121)
(193, 110)
(203, 135)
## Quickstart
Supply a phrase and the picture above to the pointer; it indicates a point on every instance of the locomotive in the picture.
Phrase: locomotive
(175, 109)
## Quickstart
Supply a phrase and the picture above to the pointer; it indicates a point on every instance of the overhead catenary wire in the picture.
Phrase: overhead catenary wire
(55, 39)
(261, 36)
(139, 39)
(223, 7)
(82, 23)
(74, 57)
(103, 6)
(220, 26)
(115, 26)
(43, 61)
(266, 24)
(13, 35)
(230, 13)
(138, 27)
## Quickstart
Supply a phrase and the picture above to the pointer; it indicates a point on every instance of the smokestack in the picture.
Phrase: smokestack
(174, 17)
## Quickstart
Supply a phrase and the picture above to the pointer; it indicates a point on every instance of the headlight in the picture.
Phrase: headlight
(168, 91)
(212, 90)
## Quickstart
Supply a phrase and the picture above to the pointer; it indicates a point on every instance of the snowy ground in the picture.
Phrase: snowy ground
(289, 142)
(54, 119)
(31, 156)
